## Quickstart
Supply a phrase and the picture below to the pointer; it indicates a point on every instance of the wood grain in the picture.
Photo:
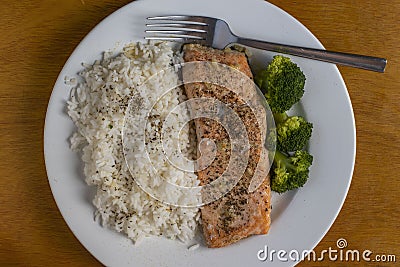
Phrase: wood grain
(38, 36)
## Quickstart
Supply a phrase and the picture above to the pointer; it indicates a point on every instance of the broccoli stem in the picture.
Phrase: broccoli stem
(281, 158)
(280, 117)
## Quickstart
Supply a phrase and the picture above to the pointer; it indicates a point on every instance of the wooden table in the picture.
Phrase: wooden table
(37, 37)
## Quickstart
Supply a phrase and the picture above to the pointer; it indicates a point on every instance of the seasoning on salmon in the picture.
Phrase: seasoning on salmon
(241, 212)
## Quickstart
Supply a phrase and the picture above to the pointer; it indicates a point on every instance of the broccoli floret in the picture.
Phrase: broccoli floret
(292, 132)
(282, 83)
(290, 172)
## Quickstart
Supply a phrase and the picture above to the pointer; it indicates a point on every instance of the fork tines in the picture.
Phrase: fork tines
(189, 19)
(178, 28)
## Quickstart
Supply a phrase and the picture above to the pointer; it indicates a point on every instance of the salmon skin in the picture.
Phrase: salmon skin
(240, 213)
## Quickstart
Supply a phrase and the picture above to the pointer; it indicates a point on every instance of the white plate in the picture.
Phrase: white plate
(300, 218)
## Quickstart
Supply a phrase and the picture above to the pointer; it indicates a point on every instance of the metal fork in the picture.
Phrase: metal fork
(217, 34)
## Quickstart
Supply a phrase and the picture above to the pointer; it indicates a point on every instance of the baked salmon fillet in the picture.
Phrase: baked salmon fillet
(239, 213)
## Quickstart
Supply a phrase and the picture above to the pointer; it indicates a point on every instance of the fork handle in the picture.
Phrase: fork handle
(352, 60)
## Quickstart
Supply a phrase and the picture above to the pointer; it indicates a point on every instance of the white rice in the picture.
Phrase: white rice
(97, 107)
(193, 247)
